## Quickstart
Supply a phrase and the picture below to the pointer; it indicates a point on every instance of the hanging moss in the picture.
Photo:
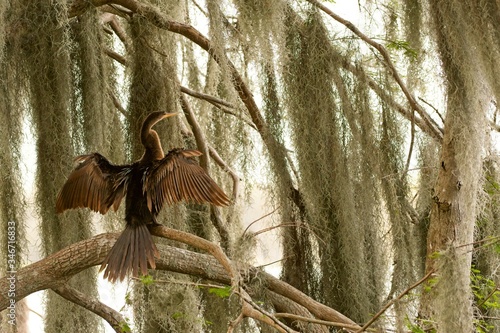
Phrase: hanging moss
(486, 259)
(45, 52)
(12, 200)
(258, 23)
(322, 139)
(91, 103)
(3, 20)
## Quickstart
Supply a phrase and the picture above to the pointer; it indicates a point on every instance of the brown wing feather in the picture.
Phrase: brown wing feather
(94, 183)
(177, 177)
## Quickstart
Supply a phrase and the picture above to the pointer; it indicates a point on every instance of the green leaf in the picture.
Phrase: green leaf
(221, 292)
(435, 255)
(177, 315)
(147, 280)
(401, 45)
(430, 284)
(124, 327)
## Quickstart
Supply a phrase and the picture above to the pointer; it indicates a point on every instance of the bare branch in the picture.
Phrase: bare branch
(202, 244)
(434, 108)
(311, 320)
(257, 220)
(118, 105)
(378, 314)
(113, 317)
(236, 179)
(116, 56)
(209, 98)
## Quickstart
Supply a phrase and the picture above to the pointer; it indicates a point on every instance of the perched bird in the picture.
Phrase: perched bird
(147, 184)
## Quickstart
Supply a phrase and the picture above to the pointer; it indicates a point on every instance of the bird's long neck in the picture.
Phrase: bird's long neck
(153, 150)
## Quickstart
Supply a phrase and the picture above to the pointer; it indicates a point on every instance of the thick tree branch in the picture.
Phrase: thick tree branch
(55, 270)
(202, 244)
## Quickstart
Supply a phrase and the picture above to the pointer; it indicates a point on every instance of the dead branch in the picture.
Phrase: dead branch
(116, 56)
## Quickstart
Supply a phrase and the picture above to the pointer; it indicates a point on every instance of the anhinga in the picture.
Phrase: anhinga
(147, 184)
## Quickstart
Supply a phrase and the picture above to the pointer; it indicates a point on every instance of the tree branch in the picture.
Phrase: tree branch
(113, 317)
(209, 98)
(55, 270)
(378, 314)
(438, 134)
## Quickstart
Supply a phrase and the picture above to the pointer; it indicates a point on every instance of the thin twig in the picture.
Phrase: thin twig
(274, 262)
(221, 163)
(281, 225)
(217, 102)
(412, 141)
(434, 108)
(257, 220)
(378, 314)
(487, 297)
(493, 240)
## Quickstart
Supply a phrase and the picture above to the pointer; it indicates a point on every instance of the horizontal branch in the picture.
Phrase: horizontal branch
(54, 271)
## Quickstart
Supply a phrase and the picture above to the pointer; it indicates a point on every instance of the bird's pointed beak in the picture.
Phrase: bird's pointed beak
(166, 115)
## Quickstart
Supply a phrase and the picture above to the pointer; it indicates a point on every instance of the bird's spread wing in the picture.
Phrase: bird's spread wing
(94, 183)
(178, 177)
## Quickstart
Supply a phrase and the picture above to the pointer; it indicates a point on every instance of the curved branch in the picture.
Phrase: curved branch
(113, 317)
(199, 243)
(436, 133)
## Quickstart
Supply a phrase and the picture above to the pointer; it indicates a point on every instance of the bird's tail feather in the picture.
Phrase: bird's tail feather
(131, 252)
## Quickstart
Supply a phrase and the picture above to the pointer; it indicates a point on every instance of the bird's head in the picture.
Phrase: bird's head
(150, 121)
(149, 137)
